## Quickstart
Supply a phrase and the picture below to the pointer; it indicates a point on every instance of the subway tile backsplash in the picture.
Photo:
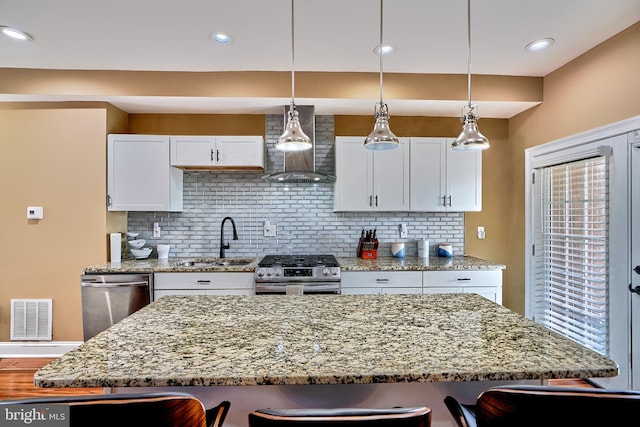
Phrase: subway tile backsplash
(302, 213)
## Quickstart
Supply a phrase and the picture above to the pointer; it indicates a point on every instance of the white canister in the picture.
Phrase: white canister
(423, 248)
(397, 249)
(445, 250)
(163, 251)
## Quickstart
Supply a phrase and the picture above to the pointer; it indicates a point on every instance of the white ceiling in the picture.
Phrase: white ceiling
(330, 35)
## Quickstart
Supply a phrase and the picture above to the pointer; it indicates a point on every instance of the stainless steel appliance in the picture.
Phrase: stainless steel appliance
(109, 298)
(312, 274)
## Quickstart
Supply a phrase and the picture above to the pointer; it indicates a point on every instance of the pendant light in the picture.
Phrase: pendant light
(293, 138)
(381, 137)
(470, 139)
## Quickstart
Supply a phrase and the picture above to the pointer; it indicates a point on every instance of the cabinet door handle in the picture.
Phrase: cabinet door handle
(212, 154)
(449, 200)
(444, 200)
(217, 155)
(370, 200)
(204, 282)
(382, 280)
(376, 201)
(464, 279)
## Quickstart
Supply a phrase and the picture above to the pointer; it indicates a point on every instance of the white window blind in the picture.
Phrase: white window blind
(571, 251)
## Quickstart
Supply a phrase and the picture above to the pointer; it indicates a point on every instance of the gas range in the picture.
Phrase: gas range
(307, 274)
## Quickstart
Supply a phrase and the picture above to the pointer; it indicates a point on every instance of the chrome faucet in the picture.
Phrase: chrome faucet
(224, 246)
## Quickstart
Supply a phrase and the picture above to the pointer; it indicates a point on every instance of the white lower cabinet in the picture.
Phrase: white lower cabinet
(381, 282)
(487, 283)
(223, 283)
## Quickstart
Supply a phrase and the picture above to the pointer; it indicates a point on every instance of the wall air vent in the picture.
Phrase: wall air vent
(31, 319)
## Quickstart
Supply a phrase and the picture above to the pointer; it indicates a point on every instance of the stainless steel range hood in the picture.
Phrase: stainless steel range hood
(300, 166)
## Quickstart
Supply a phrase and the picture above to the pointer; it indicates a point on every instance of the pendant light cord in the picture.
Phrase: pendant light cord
(469, 51)
(293, 61)
(380, 53)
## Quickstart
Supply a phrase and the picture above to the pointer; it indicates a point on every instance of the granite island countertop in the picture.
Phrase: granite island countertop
(433, 263)
(321, 339)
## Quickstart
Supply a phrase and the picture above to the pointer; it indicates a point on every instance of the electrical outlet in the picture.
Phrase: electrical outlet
(269, 230)
(156, 230)
(481, 233)
(403, 231)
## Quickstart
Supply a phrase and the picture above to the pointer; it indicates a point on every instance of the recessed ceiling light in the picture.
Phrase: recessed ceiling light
(386, 49)
(15, 33)
(540, 44)
(220, 37)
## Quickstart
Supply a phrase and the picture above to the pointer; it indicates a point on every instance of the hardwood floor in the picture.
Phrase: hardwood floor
(16, 380)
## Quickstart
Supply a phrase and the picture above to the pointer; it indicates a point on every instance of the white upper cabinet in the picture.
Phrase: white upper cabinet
(442, 179)
(369, 180)
(218, 152)
(139, 175)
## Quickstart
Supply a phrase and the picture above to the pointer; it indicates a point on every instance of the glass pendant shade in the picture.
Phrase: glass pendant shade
(293, 138)
(381, 137)
(470, 139)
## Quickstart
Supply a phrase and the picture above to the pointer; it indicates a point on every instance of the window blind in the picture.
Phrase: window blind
(571, 251)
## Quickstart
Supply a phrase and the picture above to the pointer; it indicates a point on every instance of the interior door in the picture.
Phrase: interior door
(635, 262)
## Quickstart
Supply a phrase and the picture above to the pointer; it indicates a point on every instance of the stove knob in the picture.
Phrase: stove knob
(335, 271)
(278, 272)
(325, 271)
(260, 272)
(270, 272)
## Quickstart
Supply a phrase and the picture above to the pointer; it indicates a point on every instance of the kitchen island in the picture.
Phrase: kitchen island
(323, 350)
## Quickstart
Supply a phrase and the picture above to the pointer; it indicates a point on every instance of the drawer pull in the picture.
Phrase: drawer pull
(464, 278)
(382, 280)
(204, 282)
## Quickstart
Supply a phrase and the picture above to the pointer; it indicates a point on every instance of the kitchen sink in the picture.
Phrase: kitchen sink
(231, 262)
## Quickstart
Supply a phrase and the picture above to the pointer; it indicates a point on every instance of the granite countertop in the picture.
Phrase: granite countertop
(154, 265)
(413, 263)
(321, 339)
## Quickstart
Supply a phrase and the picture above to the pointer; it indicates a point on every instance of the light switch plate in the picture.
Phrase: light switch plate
(403, 231)
(481, 233)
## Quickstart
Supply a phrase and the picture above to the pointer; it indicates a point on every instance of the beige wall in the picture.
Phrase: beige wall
(598, 88)
(53, 158)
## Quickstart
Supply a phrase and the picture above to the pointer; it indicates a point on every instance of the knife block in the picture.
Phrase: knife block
(369, 254)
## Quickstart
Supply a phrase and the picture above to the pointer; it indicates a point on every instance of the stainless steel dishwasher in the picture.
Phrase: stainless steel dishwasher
(109, 298)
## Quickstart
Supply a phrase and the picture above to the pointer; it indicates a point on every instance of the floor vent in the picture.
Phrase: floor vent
(31, 319)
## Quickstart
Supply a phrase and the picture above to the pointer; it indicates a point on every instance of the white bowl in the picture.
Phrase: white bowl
(132, 235)
(141, 253)
(137, 244)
